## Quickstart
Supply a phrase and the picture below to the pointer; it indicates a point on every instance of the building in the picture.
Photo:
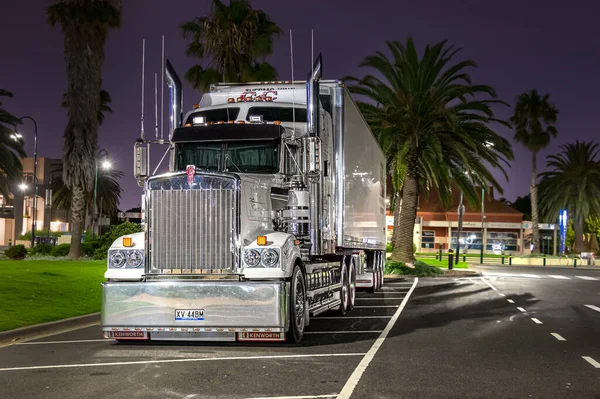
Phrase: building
(16, 211)
(499, 228)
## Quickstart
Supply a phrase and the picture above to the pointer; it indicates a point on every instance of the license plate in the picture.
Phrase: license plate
(189, 314)
(261, 336)
(126, 334)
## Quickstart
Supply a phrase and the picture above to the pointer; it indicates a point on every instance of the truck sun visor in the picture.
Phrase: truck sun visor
(227, 132)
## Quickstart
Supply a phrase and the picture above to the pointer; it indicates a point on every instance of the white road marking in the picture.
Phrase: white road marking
(591, 361)
(536, 321)
(376, 306)
(559, 277)
(395, 284)
(501, 294)
(587, 278)
(65, 342)
(500, 274)
(488, 283)
(379, 293)
(521, 309)
(364, 363)
(510, 301)
(530, 275)
(343, 332)
(379, 299)
(201, 359)
(596, 308)
(333, 395)
(350, 317)
(558, 336)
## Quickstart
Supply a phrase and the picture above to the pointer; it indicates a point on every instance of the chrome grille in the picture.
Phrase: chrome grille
(192, 228)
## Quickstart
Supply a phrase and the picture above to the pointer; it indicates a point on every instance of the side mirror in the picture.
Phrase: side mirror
(141, 163)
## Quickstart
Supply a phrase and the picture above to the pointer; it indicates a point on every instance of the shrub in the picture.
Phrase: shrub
(61, 250)
(90, 247)
(420, 269)
(41, 249)
(389, 247)
(40, 233)
(16, 252)
(108, 238)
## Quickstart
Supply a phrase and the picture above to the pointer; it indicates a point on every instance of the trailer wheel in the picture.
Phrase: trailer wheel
(351, 284)
(374, 265)
(381, 268)
(344, 288)
(297, 307)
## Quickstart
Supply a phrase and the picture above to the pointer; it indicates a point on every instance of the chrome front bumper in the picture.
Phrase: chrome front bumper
(229, 306)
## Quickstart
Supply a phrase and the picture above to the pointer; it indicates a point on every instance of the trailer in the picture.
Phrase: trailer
(272, 212)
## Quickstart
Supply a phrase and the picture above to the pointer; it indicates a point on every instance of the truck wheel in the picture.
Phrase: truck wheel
(297, 307)
(344, 288)
(381, 268)
(372, 289)
(351, 285)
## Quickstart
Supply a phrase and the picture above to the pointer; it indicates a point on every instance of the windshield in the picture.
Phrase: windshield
(278, 114)
(261, 156)
(216, 115)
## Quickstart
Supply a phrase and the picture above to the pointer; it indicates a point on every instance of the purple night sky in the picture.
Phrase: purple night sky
(518, 45)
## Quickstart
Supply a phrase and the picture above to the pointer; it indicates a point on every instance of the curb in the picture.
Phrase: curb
(597, 268)
(45, 329)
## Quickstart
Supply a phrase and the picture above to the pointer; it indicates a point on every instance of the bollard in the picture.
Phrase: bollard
(544, 260)
(436, 256)
(464, 258)
(441, 255)
(574, 262)
(502, 259)
(510, 260)
(450, 259)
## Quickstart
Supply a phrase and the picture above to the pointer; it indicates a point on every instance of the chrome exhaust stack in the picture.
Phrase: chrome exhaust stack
(175, 99)
(312, 97)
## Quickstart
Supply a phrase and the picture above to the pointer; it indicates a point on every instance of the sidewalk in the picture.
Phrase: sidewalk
(477, 265)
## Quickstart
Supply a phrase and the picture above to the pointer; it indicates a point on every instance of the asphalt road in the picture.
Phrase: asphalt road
(455, 338)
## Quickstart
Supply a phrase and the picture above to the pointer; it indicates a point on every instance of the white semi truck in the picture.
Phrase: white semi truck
(273, 211)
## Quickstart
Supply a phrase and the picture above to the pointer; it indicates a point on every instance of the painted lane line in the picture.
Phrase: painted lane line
(587, 278)
(558, 277)
(510, 301)
(201, 359)
(350, 317)
(343, 332)
(591, 361)
(352, 382)
(596, 308)
(376, 306)
(65, 342)
(333, 396)
(501, 294)
(379, 299)
(379, 293)
(488, 283)
(521, 309)
(558, 336)
(536, 321)
(530, 275)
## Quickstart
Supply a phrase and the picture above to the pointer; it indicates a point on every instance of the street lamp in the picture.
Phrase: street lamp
(105, 165)
(16, 136)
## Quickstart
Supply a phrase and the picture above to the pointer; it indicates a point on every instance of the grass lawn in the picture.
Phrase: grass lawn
(443, 263)
(39, 291)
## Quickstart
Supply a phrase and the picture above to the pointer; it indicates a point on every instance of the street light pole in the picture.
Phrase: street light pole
(94, 213)
(482, 221)
(35, 181)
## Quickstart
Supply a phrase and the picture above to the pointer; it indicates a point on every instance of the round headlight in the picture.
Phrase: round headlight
(252, 257)
(270, 257)
(117, 259)
(135, 258)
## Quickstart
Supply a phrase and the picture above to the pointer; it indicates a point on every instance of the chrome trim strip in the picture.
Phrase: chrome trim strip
(338, 143)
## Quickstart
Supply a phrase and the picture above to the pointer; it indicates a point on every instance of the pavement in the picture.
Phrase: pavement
(499, 335)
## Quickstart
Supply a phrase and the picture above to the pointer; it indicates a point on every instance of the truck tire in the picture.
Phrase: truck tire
(297, 309)
(381, 268)
(344, 288)
(373, 264)
(351, 284)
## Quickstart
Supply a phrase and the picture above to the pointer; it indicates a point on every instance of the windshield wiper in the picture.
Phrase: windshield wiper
(228, 159)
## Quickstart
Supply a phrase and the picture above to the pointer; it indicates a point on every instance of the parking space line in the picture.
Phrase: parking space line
(510, 301)
(501, 294)
(65, 342)
(558, 336)
(200, 359)
(558, 277)
(596, 308)
(350, 317)
(587, 278)
(379, 299)
(591, 361)
(364, 363)
(530, 275)
(536, 321)
(333, 395)
(376, 306)
(521, 309)
(343, 332)
(488, 283)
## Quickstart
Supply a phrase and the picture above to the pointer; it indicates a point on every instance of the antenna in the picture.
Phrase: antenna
(312, 50)
(162, 89)
(293, 88)
(143, 64)
(156, 105)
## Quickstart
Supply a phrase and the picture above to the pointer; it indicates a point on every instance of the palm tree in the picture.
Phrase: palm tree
(572, 183)
(10, 148)
(105, 101)
(433, 124)
(85, 25)
(234, 40)
(533, 122)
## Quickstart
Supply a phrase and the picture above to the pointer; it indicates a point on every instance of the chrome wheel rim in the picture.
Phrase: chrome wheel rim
(352, 284)
(299, 305)
(344, 289)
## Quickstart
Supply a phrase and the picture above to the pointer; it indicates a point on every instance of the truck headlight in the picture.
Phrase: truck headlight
(252, 257)
(116, 259)
(135, 258)
(270, 257)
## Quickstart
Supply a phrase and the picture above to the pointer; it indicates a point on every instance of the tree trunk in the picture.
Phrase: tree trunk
(77, 220)
(397, 206)
(578, 222)
(403, 246)
(535, 219)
